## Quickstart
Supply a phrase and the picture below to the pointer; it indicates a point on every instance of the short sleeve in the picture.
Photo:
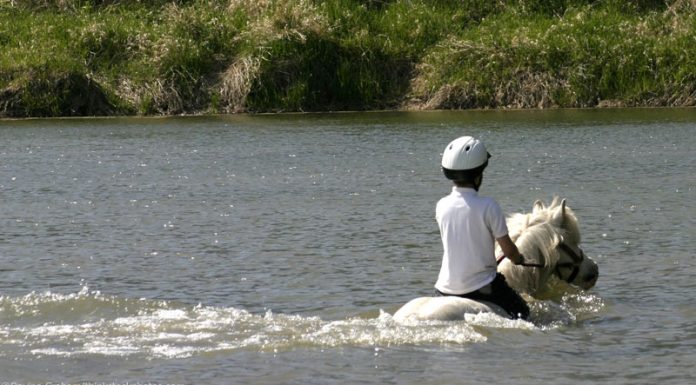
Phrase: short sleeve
(496, 220)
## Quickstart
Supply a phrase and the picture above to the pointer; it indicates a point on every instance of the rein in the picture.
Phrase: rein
(525, 264)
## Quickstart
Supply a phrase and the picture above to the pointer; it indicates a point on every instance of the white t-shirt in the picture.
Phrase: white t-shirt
(469, 225)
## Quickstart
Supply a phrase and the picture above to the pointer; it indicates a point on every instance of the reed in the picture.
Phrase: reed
(225, 56)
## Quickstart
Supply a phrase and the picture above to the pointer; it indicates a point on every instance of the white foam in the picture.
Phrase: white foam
(160, 329)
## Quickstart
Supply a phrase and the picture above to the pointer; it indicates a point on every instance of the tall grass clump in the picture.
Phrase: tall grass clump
(344, 54)
(614, 54)
(154, 57)
(312, 55)
(164, 60)
(39, 73)
(194, 46)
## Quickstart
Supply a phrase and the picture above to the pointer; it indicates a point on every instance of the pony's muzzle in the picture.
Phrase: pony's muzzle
(589, 277)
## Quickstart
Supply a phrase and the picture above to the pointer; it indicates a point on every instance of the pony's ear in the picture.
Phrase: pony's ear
(560, 215)
(559, 212)
(538, 206)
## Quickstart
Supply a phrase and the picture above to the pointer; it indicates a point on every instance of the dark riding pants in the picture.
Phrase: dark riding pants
(501, 294)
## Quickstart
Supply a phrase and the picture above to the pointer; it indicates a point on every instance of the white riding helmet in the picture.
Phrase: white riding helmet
(465, 153)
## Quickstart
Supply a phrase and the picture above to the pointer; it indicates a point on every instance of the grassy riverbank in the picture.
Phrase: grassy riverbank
(107, 57)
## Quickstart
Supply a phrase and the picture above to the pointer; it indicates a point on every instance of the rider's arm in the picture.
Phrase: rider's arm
(510, 249)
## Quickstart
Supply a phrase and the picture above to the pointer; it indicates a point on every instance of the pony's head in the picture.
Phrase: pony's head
(549, 236)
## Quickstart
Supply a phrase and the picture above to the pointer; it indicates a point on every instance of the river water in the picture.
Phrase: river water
(273, 249)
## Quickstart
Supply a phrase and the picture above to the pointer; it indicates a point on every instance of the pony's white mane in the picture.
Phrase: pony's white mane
(537, 235)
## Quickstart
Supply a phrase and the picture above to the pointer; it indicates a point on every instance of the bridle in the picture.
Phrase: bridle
(575, 264)
(577, 260)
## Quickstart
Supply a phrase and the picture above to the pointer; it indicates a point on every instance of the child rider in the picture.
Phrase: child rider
(469, 226)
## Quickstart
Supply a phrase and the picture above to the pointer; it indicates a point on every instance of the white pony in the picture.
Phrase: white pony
(548, 237)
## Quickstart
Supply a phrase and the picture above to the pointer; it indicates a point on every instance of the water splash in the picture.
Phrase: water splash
(571, 308)
(90, 323)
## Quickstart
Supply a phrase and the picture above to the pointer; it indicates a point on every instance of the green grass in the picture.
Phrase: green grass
(104, 57)
(581, 59)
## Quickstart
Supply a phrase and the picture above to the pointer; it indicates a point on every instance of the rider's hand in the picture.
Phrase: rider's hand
(519, 260)
(507, 246)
